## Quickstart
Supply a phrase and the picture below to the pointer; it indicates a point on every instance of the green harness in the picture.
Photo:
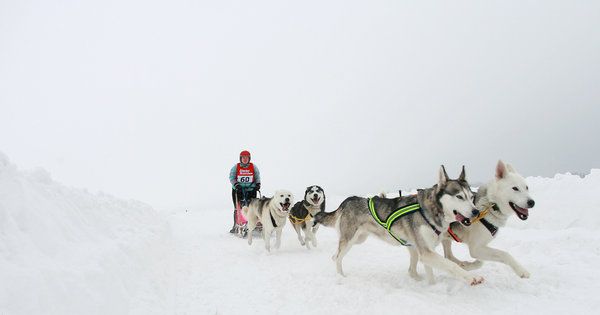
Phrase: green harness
(393, 218)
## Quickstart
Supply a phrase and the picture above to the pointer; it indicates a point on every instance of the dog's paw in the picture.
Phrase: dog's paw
(415, 276)
(471, 265)
(431, 281)
(476, 280)
(524, 274)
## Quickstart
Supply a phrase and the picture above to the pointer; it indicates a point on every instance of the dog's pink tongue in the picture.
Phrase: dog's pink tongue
(459, 217)
(523, 210)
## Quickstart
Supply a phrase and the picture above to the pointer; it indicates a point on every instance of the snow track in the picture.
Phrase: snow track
(67, 251)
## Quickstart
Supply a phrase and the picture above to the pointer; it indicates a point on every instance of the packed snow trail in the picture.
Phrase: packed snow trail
(216, 273)
(68, 251)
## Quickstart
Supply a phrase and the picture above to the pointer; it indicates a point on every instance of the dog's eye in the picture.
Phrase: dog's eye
(515, 188)
(527, 187)
(460, 197)
(281, 195)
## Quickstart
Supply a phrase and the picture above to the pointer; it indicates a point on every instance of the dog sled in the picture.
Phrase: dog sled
(241, 224)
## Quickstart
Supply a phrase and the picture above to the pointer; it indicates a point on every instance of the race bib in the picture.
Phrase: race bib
(245, 179)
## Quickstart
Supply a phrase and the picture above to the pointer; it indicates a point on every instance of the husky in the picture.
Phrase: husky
(505, 195)
(302, 214)
(447, 201)
(271, 213)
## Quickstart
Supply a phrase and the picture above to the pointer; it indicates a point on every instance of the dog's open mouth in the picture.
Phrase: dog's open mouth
(285, 206)
(461, 218)
(522, 213)
(315, 200)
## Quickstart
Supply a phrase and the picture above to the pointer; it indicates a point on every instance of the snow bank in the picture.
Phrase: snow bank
(65, 250)
(68, 251)
(564, 201)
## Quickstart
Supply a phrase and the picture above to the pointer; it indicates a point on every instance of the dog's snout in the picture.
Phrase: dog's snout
(530, 203)
(315, 195)
(287, 200)
(475, 212)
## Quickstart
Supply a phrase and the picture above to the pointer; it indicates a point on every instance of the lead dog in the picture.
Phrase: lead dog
(272, 213)
(447, 201)
(303, 212)
(504, 196)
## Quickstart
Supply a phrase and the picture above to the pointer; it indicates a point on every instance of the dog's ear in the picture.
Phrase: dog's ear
(510, 168)
(307, 189)
(443, 176)
(463, 175)
(500, 170)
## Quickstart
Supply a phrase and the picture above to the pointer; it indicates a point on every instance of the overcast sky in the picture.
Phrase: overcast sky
(154, 100)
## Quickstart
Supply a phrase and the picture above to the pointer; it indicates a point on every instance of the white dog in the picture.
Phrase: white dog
(504, 196)
(272, 213)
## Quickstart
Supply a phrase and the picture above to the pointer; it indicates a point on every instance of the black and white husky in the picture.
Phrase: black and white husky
(446, 202)
(271, 213)
(505, 195)
(303, 212)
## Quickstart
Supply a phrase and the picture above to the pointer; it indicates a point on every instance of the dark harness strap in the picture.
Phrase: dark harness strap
(492, 228)
(427, 220)
(272, 219)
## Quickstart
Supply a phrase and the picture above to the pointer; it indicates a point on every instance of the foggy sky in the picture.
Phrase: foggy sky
(154, 100)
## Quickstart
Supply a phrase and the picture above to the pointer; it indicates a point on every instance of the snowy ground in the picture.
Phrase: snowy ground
(66, 251)
(219, 274)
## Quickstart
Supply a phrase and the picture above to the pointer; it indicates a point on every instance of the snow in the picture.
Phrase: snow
(64, 250)
(68, 251)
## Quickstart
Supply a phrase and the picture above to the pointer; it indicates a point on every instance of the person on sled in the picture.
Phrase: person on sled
(244, 178)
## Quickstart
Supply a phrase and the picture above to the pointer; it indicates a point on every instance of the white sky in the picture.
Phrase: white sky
(153, 100)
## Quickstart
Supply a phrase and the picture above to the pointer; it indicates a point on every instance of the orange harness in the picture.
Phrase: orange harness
(479, 217)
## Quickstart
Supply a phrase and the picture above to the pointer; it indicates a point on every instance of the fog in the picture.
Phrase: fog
(154, 100)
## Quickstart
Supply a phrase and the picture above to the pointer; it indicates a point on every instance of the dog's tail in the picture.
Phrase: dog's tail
(328, 218)
(331, 218)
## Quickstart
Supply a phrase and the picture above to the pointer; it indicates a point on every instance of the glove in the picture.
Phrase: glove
(257, 186)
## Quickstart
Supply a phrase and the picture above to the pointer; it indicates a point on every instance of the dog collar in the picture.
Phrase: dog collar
(454, 236)
(428, 222)
(490, 227)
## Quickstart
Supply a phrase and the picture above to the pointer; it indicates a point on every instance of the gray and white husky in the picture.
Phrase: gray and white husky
(271, 213)
(446, 202)
(505, 195)
(303, 212)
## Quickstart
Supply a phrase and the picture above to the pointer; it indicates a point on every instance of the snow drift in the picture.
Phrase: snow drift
(65, 250)
(564, 201)
(68, 251)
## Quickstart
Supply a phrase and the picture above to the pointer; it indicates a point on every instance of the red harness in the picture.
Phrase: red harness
(454, 236)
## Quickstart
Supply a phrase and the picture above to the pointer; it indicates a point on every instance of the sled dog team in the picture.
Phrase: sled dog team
(448, 211)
